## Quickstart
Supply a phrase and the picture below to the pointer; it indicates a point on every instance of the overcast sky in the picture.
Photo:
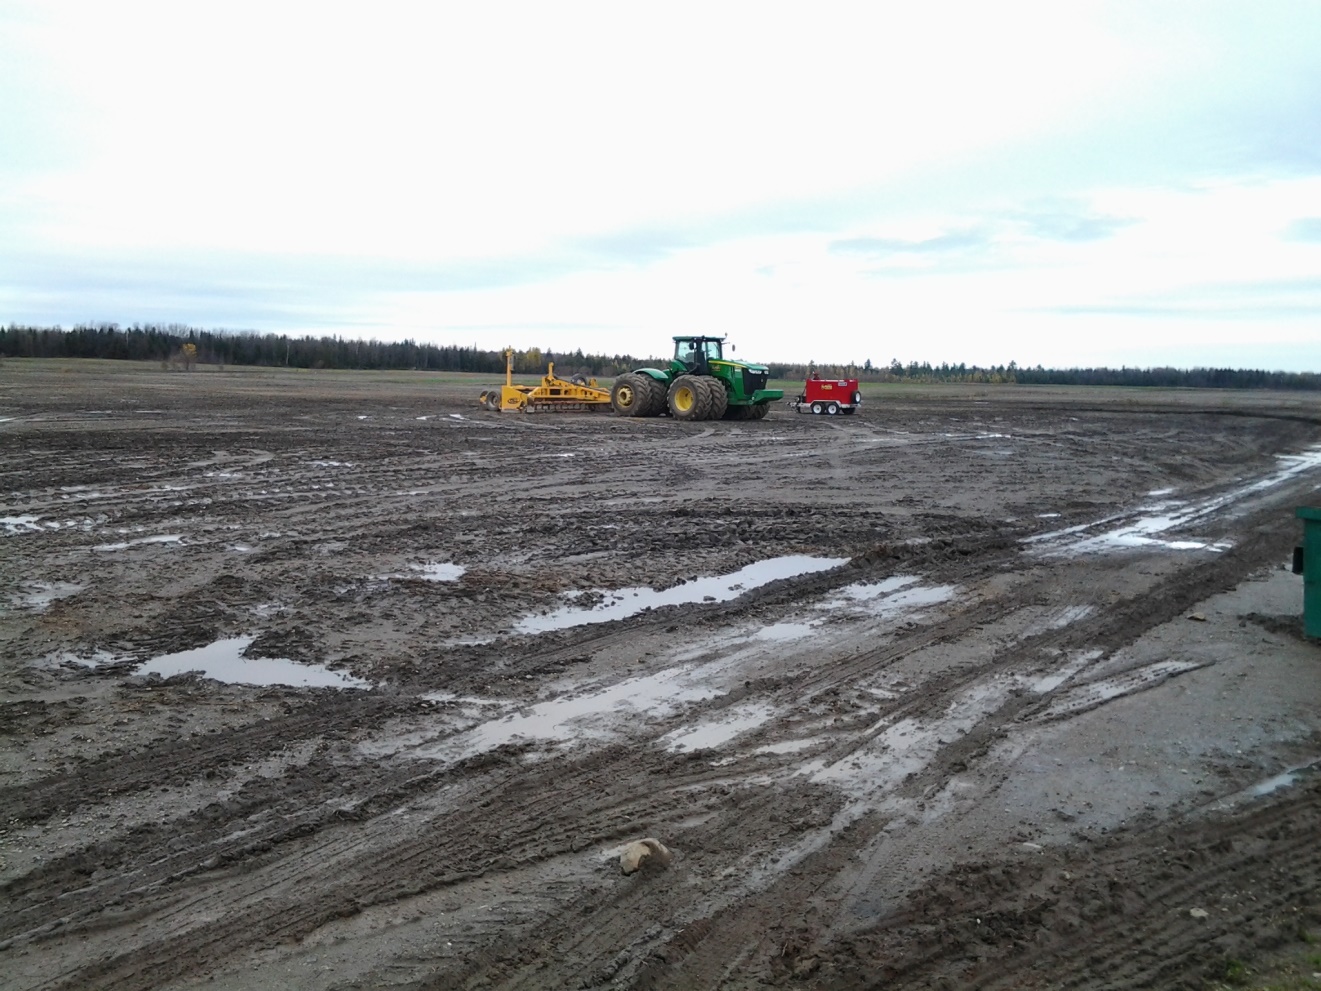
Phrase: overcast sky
(1061, 183)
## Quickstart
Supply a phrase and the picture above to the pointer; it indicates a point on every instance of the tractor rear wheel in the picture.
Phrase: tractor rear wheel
(688, 398)
(719, 399)
(655, 392)
(630, 395)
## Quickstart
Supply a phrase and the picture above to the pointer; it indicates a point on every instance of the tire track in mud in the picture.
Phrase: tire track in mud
(309, 877)
(187, 759)
(558, 812)
(1116, 916)
(701, 953)
(477, 856)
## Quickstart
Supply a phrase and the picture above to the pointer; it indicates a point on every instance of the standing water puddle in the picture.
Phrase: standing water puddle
(594, 715)
(440, 572)
(626, 602)
(889, 597)
(37, 596)
(164, 538)
(1172, 514)
(786, 632)
(719, 730)
(224, 661)
(1286, 779)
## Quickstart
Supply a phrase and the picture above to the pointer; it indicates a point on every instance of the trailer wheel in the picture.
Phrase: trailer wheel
(816, 408)
(857, 398)
(831, 409)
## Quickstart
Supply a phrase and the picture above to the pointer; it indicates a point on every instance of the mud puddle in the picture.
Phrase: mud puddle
(603, 714)
(38, 596)
(164, 538)
(888, 598)
(626, 602)
(224, 661)
(1147, 531)
(720, 730)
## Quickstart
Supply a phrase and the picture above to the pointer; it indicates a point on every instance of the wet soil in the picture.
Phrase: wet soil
(984, 687)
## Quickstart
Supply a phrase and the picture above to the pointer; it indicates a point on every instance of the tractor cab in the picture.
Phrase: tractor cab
(693, 353)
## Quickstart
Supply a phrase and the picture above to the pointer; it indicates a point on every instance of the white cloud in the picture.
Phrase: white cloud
(951, 181)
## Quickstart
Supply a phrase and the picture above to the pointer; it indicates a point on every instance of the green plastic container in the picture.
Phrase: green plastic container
(1311, 517)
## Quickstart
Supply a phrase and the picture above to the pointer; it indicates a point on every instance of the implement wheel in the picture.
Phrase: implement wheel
(688, 398)
(631, 395)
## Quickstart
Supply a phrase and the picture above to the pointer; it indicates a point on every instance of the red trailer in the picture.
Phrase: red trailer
(828, 396)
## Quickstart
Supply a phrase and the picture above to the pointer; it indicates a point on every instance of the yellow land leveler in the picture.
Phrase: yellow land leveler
(553, 395)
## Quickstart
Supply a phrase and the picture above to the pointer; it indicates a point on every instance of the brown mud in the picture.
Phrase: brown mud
(1011, 690)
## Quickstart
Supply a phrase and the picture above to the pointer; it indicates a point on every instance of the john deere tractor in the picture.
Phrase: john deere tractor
(699, 383)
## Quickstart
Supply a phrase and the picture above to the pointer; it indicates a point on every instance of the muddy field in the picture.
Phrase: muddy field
(332, 680)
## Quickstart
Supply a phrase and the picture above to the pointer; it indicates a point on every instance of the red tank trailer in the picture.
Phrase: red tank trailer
(828, 397)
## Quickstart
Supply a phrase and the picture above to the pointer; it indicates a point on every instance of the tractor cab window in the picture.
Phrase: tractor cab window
(691, 352)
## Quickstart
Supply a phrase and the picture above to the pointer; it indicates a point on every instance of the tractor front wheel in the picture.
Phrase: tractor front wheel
(717, 397)
(688, 398)
(759, 410)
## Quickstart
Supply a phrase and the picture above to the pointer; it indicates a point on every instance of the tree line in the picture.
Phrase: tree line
(168, 343)
(1187, 378)
(175, 343)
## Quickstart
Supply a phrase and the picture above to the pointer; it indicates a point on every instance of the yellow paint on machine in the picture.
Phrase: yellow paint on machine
(552, 395)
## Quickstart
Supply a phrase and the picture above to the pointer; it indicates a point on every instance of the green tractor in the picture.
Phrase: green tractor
(699, 383)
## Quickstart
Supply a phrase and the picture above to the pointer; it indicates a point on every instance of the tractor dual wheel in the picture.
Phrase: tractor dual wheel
(629, 396)
(689, 399)
(626, 397)
(754, 412)
(719, 399)
(697, 397)
(637, 394)
(654, 392)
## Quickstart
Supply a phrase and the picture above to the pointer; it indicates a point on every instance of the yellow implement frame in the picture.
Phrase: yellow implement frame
(552, 395)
